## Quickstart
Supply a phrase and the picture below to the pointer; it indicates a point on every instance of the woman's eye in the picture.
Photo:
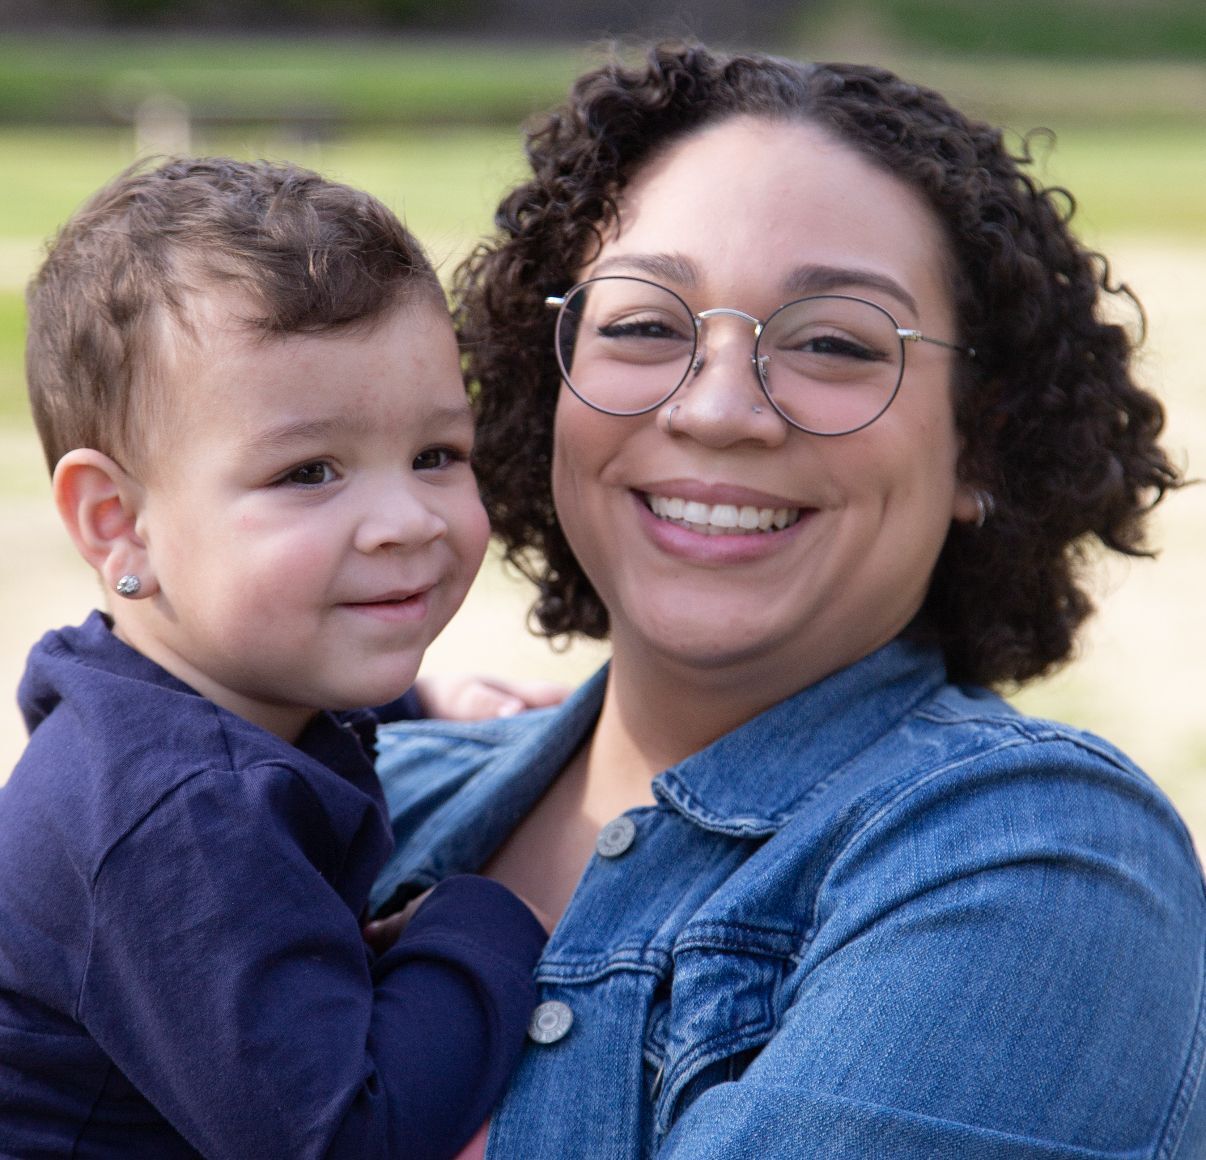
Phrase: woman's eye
(311, 474)
(641, 328)
(837, 346)
(435, 458)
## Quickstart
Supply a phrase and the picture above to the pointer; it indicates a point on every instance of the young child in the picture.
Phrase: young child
(249, 393)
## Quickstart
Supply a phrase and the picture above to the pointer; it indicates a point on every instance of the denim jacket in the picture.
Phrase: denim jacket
(888, 917)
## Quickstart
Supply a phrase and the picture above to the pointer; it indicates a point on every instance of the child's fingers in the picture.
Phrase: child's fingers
(382, 933)
(473, 698)
(482, 698)
(534, 694)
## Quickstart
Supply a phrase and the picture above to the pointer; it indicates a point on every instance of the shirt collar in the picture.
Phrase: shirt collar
(467, 825)
(108, 678)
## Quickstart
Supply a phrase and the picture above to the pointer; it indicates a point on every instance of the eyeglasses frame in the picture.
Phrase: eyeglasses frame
(696, 361)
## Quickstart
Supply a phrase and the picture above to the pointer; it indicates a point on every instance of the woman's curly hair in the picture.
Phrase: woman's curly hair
(1052, 425)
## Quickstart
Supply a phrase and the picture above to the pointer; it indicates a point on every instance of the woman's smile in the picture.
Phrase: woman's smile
(710, 535)
(721, 519)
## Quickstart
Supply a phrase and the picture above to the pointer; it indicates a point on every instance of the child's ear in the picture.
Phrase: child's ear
(99, 504)
(968, 501)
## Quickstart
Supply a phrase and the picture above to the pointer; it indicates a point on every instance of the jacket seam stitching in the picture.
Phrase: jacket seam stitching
(1191, 1077)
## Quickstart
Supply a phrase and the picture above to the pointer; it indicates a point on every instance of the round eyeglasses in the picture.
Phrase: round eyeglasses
(829, 364)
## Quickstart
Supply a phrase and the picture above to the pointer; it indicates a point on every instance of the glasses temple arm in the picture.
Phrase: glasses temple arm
(916, 336)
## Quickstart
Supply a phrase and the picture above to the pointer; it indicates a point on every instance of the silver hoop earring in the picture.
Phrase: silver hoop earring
(985, 506)
(670, 419)
(128, 586)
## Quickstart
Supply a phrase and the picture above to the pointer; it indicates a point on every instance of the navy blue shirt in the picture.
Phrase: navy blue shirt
(181, 965)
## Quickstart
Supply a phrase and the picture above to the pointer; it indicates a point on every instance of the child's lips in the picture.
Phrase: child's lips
(400, 605)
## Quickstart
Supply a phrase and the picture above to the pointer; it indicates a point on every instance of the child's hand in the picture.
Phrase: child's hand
(382, 933)
(472, 698)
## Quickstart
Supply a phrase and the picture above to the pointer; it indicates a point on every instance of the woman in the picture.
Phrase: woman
(793, 384)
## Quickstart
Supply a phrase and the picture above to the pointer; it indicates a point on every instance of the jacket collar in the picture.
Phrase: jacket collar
(747, 784)
(751, 781)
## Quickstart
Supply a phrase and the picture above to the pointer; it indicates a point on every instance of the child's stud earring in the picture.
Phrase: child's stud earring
(985, 507)
(128, 586)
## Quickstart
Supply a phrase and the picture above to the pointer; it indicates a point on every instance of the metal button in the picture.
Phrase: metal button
(550, 1022)
(615, 837)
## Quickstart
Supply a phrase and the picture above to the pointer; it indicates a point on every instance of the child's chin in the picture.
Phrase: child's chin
(365, 696)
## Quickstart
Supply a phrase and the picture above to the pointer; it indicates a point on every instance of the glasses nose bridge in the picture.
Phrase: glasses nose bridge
(721, 312)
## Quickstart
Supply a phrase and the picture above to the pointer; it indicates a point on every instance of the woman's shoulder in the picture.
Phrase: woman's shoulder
(415, 751)
(429, 756)
(962, 787)
(970, 785)
(965, 740)
(968, 727)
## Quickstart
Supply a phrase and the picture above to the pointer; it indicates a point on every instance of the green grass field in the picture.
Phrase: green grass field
(383, 80)
(445, 183)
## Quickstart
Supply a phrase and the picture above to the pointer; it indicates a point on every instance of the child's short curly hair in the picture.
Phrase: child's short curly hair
(114, 292)
(1051, 422)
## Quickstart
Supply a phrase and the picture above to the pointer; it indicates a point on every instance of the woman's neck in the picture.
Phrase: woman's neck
(656, 712)
(659, 710)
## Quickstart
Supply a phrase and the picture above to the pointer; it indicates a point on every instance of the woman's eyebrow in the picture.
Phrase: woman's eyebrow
(806, 280)
(800, 283)
(676, 268)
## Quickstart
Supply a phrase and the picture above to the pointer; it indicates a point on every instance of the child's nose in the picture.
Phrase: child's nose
(398, 517)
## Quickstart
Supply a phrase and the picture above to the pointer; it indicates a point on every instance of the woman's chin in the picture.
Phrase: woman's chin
(699, 639)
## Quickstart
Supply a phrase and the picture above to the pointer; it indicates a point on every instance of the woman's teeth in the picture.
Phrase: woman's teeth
(721, 519)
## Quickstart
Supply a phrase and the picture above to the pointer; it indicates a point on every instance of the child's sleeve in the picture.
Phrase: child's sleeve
(461, 977)
(228, 980)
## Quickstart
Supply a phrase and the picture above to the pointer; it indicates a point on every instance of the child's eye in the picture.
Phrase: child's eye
(436, 457)
(311, 474)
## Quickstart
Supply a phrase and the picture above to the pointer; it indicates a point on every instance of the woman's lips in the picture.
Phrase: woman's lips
(713, 544)
(720, 519)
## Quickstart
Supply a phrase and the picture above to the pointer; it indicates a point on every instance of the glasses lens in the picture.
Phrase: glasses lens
(831, 364)
(624, 344)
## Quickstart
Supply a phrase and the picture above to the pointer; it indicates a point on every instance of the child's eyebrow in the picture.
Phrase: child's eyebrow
(316, 430)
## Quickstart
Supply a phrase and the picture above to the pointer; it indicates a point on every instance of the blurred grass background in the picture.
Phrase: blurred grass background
(432, 126)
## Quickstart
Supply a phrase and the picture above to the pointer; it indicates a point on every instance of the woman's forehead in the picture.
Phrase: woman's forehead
(781, 203)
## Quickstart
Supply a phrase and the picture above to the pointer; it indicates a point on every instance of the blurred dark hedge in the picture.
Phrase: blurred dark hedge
(1053, 29)
(748, 21)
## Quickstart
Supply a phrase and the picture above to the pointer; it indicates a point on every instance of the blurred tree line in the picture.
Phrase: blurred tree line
(1169, 29)
(764, 21)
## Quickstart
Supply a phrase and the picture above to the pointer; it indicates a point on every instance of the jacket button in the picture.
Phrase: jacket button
(550, 1022)
(615, 837)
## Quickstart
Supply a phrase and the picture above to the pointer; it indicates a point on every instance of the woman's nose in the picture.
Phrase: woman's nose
(721, 401)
